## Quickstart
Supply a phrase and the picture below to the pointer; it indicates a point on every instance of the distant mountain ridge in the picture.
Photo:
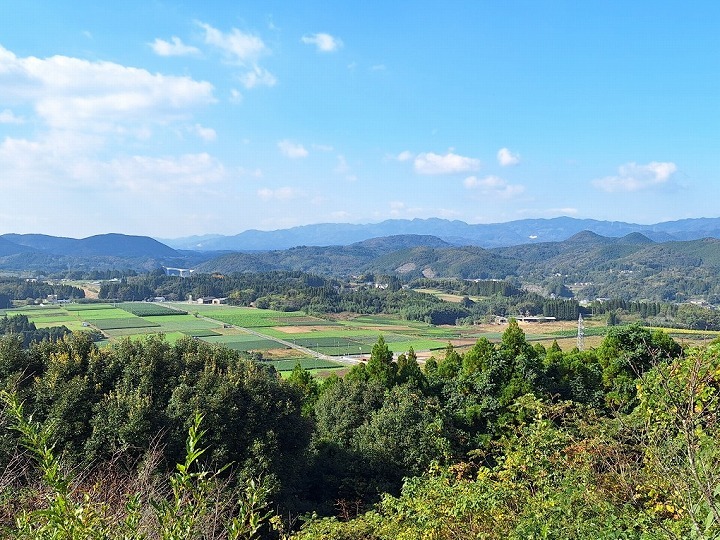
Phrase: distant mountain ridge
(451, 231)
(43, 253)
(112, 245)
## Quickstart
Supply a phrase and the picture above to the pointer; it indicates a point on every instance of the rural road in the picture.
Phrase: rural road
(347, 360)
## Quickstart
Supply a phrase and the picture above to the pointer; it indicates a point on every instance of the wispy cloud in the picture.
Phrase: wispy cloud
(323, 42)
(292, 150)
(450, 163)
(493, 185)
(242, 49)
(8, 117)
(206, 134)
(279, 194)
(634, 177)
(174, 47)
(257, 77)
(235, 96)
(507, 158)
(343, 168)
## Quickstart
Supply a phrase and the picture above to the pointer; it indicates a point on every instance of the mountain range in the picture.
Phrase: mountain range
(451, 231)
(632, 266)
(669, 261)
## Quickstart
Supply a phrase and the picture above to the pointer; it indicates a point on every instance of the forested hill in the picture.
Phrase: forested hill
(113, 244)
(632, 266)
(52, 254)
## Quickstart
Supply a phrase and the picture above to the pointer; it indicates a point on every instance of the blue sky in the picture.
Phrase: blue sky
(179, 118)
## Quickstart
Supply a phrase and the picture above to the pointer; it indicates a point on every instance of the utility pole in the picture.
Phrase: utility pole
(581, 334)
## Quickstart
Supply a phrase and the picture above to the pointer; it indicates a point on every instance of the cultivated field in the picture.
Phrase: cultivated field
(284, 339)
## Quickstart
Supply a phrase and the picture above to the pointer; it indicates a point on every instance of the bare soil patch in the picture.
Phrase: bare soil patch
(299, 329)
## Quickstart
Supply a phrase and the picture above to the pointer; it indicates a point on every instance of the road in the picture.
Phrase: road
(346, 359)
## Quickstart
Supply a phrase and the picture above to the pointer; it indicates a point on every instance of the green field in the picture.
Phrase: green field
(306, 363)
(88, 307)
(124, 322)
(150, 309)
(223, 325)
(98, 314)
(246, 317)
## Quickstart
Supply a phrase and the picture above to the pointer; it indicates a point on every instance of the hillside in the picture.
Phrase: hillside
(632, 266)
(43, 253)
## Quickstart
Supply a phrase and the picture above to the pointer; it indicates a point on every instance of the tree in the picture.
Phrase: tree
(381, 366)
(409, 371)
(403, 437)
(478, 357)
(450, 366)
(308, 387)
(625, 354)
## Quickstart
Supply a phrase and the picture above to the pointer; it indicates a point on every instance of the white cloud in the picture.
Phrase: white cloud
(450, 163)
(279, 194)
(174, 47)
(493, 185)
(506, 158)
(344, 169)
(323, 147)
(342, 166)
(242, 49)
(550, 212)
(323, 42)
(405, 156)
(634, 177)
(71, 93)
(206, 134)
(8, 117)
(68, 158)
(235, 96)
(239, 47)
(292, 150)
(257, 77)
(143, 174)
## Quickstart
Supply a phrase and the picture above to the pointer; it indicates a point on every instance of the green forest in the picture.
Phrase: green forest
(147, 439)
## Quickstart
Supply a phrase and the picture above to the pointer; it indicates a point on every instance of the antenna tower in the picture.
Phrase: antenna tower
(581, 334)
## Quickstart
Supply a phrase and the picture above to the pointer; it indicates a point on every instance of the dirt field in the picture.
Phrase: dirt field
(299, 329)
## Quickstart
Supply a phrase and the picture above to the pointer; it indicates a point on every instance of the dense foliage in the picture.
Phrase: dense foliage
(19, 327)
(22, 289)
(505, 440)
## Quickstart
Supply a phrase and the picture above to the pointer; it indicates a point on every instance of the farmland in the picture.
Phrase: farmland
(286, 338)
